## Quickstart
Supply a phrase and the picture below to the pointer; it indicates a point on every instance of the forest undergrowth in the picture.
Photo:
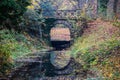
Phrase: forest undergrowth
(98, 49)
(14, 45)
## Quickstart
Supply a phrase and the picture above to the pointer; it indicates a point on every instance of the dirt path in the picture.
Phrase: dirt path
(103, 29)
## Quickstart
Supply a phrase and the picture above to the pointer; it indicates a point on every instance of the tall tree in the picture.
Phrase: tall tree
(102, 7)
(11, 11)
(111, 9)
(118, 10)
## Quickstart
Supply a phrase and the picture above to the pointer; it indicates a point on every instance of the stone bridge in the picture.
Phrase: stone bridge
(63, 9)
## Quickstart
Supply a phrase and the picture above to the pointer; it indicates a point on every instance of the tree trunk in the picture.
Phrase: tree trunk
(110, 10)
(118, 10)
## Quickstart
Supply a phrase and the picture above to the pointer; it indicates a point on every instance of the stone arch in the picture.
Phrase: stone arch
(65, 23)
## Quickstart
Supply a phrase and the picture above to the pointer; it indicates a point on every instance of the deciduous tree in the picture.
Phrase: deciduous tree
(11, 11)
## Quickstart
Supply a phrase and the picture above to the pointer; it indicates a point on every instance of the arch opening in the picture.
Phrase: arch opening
(60, 37)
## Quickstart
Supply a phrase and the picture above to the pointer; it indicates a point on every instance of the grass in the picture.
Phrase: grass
(19, 43)
(94, 47)
(14, 43)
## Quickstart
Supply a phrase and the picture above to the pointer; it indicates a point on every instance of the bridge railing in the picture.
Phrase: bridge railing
(62, 14)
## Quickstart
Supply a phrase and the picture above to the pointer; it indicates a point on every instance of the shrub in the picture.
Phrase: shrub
(6, 62)
(116, 23)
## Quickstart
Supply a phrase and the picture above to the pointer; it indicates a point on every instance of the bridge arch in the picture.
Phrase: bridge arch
(63, 23)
